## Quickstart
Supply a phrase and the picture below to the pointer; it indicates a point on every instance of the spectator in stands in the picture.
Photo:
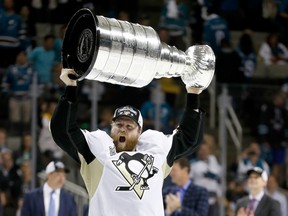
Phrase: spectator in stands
(51, 199)
(149, 112)
(284, 90)
(257, 203)
(273, 191)
(42, 13)
(215, 29)
(123, 15)
(266, 152)
(25, 151)
(184, 198)
(269, 14)
(282, 21)
(28, 27)
(144, 19)
(196, 22)
(43, 60)
(105, 120)
(207, 4)
(247, 55)
(42, 10)
(26, 175)
(46, 141)
(11, 35)
(131, 7)
(230, 11)
(3, 143)
(272, 51)
(58, 43)
(47, 157)
(3, 139)
(17, 84)
(235, 191)
(273, 118)
(175, 18)
(25, 184)
(57, 47)
(163, 35)
(9, 182)
(249, 159)
(228, 64)
(65, 10)
(206, 172)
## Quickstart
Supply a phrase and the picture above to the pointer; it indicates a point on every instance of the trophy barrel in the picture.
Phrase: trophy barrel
(110, 50)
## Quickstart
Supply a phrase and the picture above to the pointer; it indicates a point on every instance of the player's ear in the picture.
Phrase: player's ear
(139, 130)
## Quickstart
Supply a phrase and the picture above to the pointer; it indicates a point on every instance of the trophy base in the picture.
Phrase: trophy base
(80, 43)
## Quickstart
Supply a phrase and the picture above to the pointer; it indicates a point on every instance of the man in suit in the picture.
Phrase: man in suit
(184, 198)
(51, 199)
(257, 203)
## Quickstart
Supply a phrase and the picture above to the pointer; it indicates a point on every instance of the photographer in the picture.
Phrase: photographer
(249, 159)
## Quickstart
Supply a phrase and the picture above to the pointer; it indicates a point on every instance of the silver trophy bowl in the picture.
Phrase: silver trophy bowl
(124, 53)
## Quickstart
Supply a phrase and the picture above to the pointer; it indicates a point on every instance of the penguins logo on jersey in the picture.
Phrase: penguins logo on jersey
(136, 169)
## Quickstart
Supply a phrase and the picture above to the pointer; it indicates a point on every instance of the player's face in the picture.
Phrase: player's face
(125, 133)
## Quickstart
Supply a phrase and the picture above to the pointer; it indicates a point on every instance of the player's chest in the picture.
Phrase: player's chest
(138, 172)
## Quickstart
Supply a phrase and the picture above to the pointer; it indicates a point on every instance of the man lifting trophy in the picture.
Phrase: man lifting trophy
(124, 171)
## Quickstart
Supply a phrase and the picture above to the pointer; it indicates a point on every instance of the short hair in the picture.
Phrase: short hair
(183, 163)
(49, 36)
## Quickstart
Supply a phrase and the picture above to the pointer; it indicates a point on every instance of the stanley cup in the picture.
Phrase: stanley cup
(123, 53)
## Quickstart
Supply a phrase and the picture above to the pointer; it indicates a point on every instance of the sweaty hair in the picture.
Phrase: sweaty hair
(183, 163)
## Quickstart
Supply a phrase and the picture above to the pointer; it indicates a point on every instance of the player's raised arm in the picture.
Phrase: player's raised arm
(190, 131)
(64, 128)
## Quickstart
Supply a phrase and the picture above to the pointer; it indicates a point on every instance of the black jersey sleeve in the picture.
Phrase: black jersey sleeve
(64, 128)
(190, 131)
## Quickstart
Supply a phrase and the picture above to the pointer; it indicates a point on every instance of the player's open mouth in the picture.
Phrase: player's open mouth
(122, 139)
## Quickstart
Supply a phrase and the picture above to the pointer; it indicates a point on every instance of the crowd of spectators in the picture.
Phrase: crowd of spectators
(31, 35)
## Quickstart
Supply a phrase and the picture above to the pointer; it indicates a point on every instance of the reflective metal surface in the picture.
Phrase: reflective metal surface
(123, 53)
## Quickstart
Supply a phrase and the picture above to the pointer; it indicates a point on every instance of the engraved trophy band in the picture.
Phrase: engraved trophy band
(124, 53)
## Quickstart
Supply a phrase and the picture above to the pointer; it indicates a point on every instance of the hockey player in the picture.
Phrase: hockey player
(124, 172)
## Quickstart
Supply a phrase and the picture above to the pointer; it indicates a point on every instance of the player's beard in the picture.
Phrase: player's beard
(128, 145)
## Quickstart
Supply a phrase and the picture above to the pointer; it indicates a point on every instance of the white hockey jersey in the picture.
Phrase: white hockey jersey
(126, 183)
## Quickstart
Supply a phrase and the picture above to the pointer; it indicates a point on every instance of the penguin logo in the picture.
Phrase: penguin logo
(136, 169)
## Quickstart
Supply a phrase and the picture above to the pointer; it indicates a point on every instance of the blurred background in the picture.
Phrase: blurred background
(246, 103)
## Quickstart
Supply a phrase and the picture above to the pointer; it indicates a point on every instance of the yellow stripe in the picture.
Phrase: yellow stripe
(91, 174)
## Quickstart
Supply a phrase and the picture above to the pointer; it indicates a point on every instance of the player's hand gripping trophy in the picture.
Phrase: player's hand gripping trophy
(119, 52)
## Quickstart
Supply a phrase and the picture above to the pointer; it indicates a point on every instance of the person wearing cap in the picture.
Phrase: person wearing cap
(257, 203)
(124, 171)
(51, 199)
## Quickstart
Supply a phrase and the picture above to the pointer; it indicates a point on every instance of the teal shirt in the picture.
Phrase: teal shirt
(179, 23)
(57, 48)
(42, 61)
